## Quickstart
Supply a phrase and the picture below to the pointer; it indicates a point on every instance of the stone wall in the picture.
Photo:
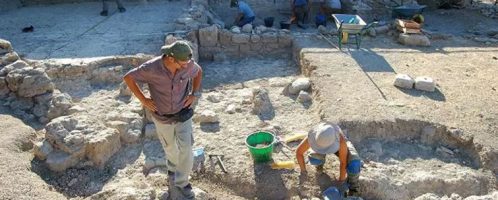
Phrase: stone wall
(219, 44)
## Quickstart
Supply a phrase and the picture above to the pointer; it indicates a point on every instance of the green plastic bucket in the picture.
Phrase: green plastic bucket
(260, 146)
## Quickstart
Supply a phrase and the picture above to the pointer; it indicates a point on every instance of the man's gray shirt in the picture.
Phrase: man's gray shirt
(168, 91)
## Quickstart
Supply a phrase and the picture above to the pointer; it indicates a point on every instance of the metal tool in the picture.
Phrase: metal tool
(219, 162)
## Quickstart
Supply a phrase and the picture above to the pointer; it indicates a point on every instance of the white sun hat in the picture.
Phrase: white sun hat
(324, 138)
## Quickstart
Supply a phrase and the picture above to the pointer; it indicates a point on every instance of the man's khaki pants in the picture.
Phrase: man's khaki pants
(177, 141)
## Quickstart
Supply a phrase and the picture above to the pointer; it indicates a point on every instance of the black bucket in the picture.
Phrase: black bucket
(285, 25)
(269, 21)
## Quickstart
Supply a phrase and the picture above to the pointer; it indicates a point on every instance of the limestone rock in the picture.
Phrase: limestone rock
(59, 161)
(131, 136)
(42, 149)
(208, 37)
(255, 38)
(75, 109)
(8, 58)
(60, 104)
(62, 134)
(428, 196)
(235, 29)
(299, 84)
(240, 38)
(150, 131)
(124, 91)
(269, 37)
(247, 28)
(5, 46)
(200, 194)
(4, 89)
(261, 102)
(207, 116)
(404, 81)
(225, 37)
(425, 83)
(231, 109)
(120, 126)
(213, 98)
(29, 82)
(414, 40)
(304, 97)
(102, 146)
(16, 65)
(284, 40)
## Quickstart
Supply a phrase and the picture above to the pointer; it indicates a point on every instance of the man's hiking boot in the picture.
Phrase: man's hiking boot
(186, 192)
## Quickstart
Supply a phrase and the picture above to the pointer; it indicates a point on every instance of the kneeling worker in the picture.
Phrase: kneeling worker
(328, 139)
(245, 16)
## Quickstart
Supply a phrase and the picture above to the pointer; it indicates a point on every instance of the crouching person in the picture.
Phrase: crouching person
(328, 139)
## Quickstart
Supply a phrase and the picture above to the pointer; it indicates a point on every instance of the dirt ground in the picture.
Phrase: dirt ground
(351, 87)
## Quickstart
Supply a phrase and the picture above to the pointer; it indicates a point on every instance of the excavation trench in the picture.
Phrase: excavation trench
(402, 159)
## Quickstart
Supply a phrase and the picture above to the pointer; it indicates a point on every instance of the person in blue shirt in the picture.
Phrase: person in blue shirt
(300, 9)
(245, 16)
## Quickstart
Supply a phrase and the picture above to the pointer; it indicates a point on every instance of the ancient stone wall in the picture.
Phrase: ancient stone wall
(219, 44)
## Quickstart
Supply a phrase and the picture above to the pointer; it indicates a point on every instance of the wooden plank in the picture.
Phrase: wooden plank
(408, 30)
(408, 24)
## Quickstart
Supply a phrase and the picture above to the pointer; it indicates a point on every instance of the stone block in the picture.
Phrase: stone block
(241, 38)
(404, 81)
(269, 38)
(59, 161)
(304, 97)
(29, 82)
(247, 28)
(425, 83)
(245, 49)
(299, 84)
(208, 37)
(207, 116)
(5, 46)
(255, 38)
(256, 46)
(285, 40)
(414, 40)
(42, 149)
(4, 90)
(225, 37)
(102, 146)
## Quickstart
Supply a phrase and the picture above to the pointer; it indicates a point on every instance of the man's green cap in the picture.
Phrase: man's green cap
(179, 50)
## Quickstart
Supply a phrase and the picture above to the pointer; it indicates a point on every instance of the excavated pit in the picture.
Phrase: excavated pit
(403, 159)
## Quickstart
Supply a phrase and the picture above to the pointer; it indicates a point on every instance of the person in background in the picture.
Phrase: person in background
(300, 10)
(245, 15)
(105, 7)
(328, 139)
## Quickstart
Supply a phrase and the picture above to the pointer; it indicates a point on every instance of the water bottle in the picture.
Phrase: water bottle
(199, 158)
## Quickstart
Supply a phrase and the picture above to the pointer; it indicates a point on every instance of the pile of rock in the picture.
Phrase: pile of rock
(411, 34)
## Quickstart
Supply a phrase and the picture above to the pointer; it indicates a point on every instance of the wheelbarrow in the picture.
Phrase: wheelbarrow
(406, 11)
(350, 26)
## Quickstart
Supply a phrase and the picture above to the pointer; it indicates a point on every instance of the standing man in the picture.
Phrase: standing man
(169, 77)
(300, 10)
(328, 139)
(245, 15)
(105, 8)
